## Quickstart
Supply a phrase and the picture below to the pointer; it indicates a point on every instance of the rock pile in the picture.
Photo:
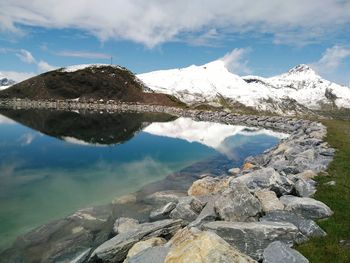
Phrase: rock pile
(255, 214)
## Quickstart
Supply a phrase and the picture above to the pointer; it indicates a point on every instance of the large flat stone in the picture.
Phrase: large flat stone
(116, 249)
(306, 226)
(307, 207)
(278, 252)
(252, 238)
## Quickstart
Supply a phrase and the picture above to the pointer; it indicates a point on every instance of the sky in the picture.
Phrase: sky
(261, 37)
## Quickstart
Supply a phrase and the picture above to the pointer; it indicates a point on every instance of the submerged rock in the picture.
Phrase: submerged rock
(192, 245)
(252, 238)
(307, 207)
(237, 204)
(164, 197)
(124, 224)
(64, 240)
(278, 252)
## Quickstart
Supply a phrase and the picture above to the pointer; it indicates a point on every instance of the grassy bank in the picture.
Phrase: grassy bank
(335, 247)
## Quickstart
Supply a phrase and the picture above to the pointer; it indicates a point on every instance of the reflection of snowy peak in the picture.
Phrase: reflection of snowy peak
(5, 82)
(206, 133)
(300, 86)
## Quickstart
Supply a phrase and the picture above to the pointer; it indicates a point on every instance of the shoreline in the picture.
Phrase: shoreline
(299, 130)
(283, 124)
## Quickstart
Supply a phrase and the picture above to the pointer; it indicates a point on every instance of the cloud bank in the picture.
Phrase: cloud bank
(332, 58)
(154, 22)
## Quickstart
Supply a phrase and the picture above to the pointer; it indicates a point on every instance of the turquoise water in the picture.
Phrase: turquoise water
(52, 164)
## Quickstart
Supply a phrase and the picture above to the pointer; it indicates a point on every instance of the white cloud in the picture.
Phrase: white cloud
(26, 56)
(235, 61)
(43, 66)
(154, 22)
(17, 76)
(27, 138)
(83, 54)
(332, 58)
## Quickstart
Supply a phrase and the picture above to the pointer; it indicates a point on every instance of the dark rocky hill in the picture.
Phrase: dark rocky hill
(93, 82)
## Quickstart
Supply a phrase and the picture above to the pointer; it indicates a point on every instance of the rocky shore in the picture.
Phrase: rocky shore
(254, 214)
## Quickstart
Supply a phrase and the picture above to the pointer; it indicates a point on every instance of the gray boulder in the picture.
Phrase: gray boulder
(162, 212)
(307, 207)
(252, 238)
(207, 214)
(278, 252)
(306, 226)
(187, 209)
(305, 188)
(266, 178)
(116, 249)
(150, 255)
(237, 204)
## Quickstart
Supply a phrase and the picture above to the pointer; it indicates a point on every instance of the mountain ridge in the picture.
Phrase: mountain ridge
(299, 89)
(88, 82)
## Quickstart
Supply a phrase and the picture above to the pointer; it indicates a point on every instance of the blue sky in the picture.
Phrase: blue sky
(268, 37)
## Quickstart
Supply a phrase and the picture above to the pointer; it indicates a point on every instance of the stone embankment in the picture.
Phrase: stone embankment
(255, 213)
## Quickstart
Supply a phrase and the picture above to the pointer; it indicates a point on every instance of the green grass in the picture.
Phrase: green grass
(335, 247)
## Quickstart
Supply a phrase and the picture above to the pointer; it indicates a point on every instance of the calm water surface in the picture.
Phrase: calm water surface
(54, 163)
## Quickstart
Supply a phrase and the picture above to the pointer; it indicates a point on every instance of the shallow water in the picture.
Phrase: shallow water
(54, 163)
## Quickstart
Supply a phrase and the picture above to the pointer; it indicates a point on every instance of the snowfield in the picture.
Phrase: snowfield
(207, 83)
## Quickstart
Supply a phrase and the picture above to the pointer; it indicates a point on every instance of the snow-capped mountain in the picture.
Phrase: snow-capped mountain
(5, 82)
(300, 89)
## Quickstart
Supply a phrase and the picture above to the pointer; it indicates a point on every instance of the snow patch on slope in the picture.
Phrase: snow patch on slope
(75, 68)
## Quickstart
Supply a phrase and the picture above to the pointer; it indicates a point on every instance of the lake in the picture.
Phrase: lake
(53, 163)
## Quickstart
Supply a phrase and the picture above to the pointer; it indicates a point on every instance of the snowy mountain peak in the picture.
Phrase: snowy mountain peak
(5, 82)
(301, 68)
(300, 88)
